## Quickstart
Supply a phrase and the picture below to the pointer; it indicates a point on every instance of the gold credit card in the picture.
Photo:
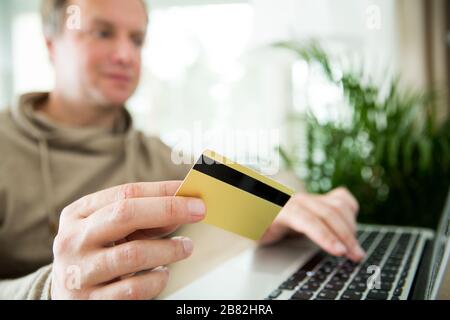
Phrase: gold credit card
(238, 199)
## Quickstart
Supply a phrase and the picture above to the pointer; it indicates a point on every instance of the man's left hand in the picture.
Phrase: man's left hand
(329, 220)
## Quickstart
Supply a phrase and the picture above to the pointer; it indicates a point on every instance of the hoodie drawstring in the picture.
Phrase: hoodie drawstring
(44, 156)
(130, 156)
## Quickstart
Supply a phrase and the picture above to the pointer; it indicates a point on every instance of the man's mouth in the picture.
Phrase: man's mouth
(119, 77)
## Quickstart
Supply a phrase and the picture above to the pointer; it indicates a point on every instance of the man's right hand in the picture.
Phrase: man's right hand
(109, 244)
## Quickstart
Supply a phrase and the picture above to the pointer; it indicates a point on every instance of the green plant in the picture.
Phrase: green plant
(392, 154)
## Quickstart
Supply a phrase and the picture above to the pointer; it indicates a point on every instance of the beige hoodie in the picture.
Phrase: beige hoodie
(43, 168)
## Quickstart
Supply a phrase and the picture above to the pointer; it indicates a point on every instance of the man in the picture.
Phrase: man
(60, 148)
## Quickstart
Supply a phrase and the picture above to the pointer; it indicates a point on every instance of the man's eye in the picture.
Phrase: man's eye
(102, 34)
(138, 42)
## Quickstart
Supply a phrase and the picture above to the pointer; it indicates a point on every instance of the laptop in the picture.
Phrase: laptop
(402, 263)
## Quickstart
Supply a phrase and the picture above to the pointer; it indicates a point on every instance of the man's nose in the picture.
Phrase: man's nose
(124, 52)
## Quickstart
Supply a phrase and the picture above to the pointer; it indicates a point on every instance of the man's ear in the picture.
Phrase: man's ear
(49, 43)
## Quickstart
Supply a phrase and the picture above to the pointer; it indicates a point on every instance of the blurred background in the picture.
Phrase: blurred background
(357, 89)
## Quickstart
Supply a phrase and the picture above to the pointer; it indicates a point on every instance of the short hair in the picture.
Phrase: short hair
(53, 15)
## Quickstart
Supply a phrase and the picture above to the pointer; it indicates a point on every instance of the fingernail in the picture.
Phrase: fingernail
(339, 248)
(196, 207)
(188, 246)
(161, 268)
(359, 251)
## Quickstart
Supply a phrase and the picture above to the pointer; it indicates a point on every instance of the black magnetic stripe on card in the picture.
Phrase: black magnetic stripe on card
(240, 180)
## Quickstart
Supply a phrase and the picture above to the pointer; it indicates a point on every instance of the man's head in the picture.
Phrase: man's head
(95, 47)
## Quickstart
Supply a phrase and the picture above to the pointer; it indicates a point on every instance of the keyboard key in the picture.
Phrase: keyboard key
(390, 234)
(390, 269)
(386, 286)
(351, 295)
(341, 277)
(357, 286)
(288, 285)
(302, 295)
(377, 295)
(397, 256)
(362, 276)
(298, 276)
(350, 263)
(394, 260)
(275, 294)
(310, 286)
(387, 277)
(336, 285)
(319, 277)
(404, 237)
(320, 273)
(393, 264)
(326, 270)
(398, 291)
(313, 262)
(327, 294)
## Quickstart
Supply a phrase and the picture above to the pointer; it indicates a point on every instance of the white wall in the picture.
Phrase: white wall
(342, 22)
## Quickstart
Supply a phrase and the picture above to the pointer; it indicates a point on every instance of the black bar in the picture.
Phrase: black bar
(229, 309)
(239, 180)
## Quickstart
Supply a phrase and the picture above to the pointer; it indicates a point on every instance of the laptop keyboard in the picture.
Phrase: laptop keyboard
(382, 275)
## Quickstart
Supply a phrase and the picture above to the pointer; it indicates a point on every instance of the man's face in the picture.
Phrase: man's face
(100, 63)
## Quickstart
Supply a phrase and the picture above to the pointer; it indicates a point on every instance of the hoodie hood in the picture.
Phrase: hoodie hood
(91, 140)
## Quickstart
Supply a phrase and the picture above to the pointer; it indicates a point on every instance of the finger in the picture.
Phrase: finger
(87, 205)
(336, 222)
(118, 220)
(347, 196)
(315, 229)
(143, 286)
(131, 257)
(326, 210)
(338, 205)
(341, 204)
(273, 234)
(342, 208)
(150, 234)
